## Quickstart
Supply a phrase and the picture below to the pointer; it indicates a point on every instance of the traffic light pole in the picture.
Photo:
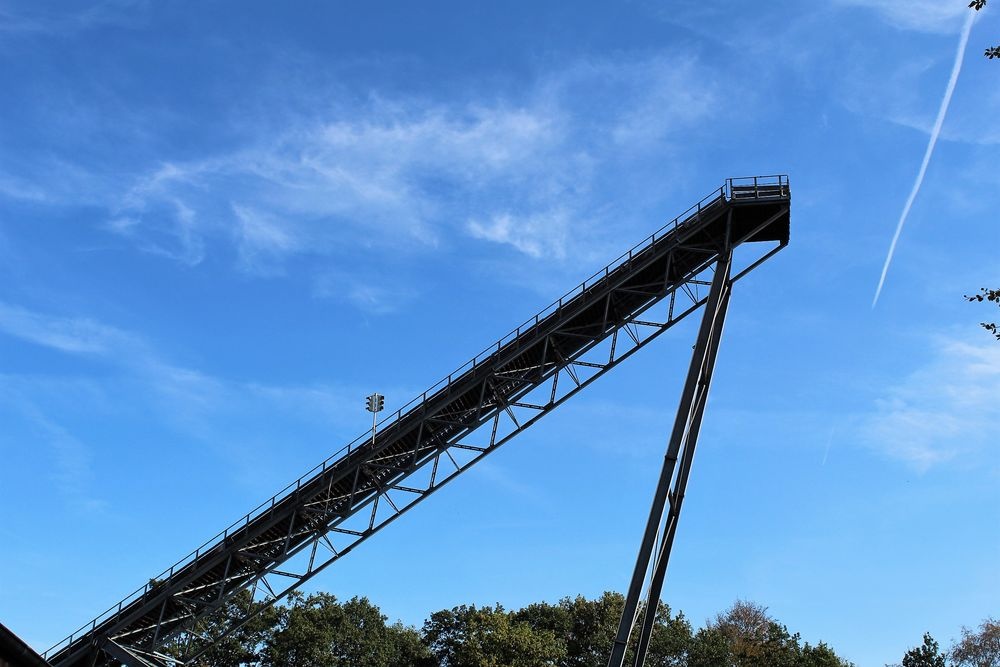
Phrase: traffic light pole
(374, 405)
(681, 446)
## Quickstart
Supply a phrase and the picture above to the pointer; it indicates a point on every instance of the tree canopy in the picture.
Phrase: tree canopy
(978, 648)
(927, 654)
(318, 630)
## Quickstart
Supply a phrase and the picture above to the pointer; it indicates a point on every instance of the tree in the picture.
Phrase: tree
(319, 631)
(745, 635)
(978, 648)
(755, 638)
(588, 627)
(671, 639)
(925, 655)
(993, 296)
(821, 655)
(993, 51)
(710, 648)
(468, 636)
(243, 645)
(407, 648)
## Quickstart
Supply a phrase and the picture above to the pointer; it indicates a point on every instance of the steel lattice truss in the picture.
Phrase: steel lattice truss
(507, 388)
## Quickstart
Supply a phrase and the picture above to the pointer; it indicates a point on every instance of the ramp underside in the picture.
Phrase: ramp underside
(489, 400)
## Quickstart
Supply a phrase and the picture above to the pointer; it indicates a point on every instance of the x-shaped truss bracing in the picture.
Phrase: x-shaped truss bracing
(495, 397)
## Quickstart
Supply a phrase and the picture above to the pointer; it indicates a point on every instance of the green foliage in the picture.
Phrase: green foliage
(992, 296)
(587, 628)
(320, 631)
(233, 646)
(710, 648)
(926, 655)
(671, 639)
(993, 51)
(820, 655)
(407, 648)
(979, 648)
(468, 636)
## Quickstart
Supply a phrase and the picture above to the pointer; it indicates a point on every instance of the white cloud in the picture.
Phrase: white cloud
(407, 172)
(16, 188)
(261, 239)
(66, 334)
(542, 235)
(73, 472)
(944, 410)
(906, 91)
(371, 291)
(670, 102)
(933, 16)
(231, 417)
(28, 18)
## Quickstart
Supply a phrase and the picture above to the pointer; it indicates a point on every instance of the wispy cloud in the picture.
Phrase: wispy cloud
(78, 335)
(383, 179)
(932, 16)
(538, 235)
(20, 17)
(417, 174)
(70, 461)
(238, 420)
(72, 473)
(262, 241)
(370, 290)
(13, 187)
(943, 410)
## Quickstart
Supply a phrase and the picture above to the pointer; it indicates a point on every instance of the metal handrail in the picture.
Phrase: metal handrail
(723, 193)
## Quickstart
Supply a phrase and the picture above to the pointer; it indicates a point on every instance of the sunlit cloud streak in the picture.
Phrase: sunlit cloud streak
(935, 132)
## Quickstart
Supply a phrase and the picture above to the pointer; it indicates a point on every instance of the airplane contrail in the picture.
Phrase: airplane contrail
(959, 57)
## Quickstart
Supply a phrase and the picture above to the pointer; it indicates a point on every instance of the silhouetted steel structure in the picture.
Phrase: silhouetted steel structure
(505, 389)
(15, 653)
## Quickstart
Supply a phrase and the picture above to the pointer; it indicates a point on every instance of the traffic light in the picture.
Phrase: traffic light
(375, 403)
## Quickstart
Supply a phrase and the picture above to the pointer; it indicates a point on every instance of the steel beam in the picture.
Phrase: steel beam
(475, 410)
(682, 443)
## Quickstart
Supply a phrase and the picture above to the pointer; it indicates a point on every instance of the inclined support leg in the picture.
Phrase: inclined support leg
(676, 496)
(681, 446)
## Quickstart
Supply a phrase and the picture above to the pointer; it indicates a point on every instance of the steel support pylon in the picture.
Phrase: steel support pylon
(670, 488)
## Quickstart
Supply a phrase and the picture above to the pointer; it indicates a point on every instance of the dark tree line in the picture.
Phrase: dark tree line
(320, 631)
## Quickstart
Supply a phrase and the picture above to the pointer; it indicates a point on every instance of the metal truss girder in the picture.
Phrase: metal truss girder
(495, 392)
(133, 658)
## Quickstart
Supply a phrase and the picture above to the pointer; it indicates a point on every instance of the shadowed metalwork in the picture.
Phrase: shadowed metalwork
(322, 516)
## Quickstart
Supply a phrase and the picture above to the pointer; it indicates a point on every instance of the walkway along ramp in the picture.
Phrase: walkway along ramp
(349, 497)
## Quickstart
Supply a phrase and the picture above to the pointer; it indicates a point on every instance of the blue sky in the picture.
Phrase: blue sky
(223, 224)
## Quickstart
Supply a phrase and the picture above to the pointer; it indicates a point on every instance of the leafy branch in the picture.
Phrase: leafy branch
(993, 51)
(993, 296)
